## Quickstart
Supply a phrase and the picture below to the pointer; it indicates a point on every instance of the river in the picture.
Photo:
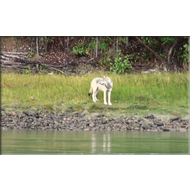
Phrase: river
(80, 142)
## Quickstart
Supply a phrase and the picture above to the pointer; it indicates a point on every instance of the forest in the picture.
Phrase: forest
(118, 54)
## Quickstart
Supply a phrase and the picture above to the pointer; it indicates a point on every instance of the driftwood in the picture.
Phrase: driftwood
(50, 67)
(21, 61)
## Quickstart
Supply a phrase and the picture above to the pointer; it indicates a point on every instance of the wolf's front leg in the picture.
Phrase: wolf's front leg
(109, 98)
(105, 102)
(93, 97)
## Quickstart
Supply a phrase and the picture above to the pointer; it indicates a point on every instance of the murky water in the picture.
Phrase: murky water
(61, 142)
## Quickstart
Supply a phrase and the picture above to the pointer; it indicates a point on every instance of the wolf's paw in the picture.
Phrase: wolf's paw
(110, 103)
(105, 103)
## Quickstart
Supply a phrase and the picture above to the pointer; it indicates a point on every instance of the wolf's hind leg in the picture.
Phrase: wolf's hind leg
(96, 95)
(105, 102)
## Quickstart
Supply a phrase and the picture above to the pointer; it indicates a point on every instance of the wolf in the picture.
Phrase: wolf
(101, 84)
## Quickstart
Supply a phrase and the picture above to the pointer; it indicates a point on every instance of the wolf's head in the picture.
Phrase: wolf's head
(109, 82)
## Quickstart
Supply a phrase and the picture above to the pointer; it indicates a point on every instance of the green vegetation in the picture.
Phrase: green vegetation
(168, 53)
(31, 53)
(120, 64)
(79, 49)
(164, 93)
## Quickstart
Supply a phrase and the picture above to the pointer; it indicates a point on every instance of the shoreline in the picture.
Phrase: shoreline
(85, 121)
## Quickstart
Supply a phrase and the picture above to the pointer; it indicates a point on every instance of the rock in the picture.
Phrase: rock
(137, 129)
(2, 109)
(86, 129)
(32, 113)
(104, 121)
(81, 115)
(69, 110)
(16, 106)
(145, 125)
(166, 129)
(175, 119)
(158, 124)
(129, 121)
(91, 124)
(75, 121)
(150, 116)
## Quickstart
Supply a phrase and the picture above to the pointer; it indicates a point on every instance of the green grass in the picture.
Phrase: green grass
(133, 93)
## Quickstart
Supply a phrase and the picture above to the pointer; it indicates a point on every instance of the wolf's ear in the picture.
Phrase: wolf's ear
(106, 78)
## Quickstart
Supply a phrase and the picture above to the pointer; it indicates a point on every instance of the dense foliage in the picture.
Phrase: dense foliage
(118, 54)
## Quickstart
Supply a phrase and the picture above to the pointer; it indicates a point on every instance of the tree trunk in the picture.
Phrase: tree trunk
(67, 42)
(127, 40)
(97, 46)
(117, 46)
(37, 48)
(170, 53)
(46, 45)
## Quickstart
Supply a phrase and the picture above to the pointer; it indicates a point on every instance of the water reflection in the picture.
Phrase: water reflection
(103, 145)
(80, 142)
(93, 143)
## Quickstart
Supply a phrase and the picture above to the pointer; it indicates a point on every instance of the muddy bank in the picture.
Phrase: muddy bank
(85, 121)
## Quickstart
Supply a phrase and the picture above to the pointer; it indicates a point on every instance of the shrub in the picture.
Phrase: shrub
(121, 64)
(79, 49)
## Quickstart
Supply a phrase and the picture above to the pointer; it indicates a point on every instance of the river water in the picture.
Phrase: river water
(80, 142)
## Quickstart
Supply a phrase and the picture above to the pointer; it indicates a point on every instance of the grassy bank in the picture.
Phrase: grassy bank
(133, 93)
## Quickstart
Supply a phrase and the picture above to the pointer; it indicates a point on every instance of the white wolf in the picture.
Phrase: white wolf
(104, 84)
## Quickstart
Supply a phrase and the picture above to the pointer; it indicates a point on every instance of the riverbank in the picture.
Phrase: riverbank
(140, 102)
(70, 120)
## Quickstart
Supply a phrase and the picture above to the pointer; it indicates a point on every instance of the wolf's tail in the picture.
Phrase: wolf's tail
(90, 91)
